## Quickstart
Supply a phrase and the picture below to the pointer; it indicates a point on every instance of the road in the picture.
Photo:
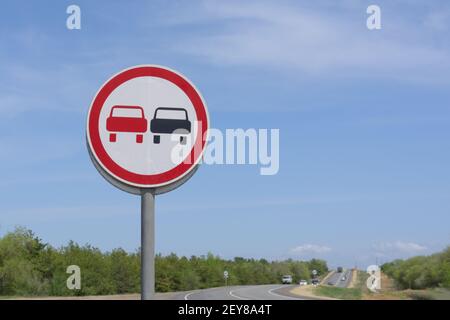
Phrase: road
(348, 277)
(260, 292)
(252, 292)
(336, 279)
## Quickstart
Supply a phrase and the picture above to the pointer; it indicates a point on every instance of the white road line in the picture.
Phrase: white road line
(231, 293)
(186, 297)
(343, 274)
(280, 295)
(336, 284)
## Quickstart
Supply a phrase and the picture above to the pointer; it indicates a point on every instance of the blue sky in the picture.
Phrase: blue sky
(364, 121)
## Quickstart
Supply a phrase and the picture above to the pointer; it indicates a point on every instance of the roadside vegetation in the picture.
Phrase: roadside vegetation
(421, 272)
(30, 267)
(428, 294)
(417, 278)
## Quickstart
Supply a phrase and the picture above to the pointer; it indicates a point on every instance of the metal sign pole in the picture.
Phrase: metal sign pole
(147, 245)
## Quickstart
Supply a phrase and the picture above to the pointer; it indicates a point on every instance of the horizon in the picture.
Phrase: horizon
(363, 121)
(206, 254)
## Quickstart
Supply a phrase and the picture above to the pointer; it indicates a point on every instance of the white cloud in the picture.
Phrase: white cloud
(317, 42)
(400, 247)
(309, 249)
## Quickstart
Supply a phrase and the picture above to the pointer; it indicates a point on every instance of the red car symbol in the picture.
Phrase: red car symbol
(126, 119)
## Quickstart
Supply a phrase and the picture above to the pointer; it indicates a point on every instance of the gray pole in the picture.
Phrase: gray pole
(147, 245)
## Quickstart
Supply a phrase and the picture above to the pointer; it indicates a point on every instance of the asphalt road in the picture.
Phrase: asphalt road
(345, 283)
(336, 279)
(261, 292)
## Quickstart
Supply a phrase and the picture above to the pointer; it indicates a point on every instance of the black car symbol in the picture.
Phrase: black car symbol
(170, 121)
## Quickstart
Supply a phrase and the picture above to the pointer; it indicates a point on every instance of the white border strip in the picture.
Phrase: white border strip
(231, 293)
(186, 297)
(281, 295)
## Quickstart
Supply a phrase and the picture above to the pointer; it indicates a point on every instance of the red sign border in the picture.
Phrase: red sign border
(117, 171)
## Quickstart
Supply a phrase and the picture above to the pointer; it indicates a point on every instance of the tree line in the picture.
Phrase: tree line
(421, 272)
(28, 266)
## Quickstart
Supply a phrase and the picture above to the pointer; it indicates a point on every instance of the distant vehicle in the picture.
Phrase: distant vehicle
(170, 121)
(303, 282)
(315, 282)
(343, 278)
(340, 269)
(126, 119)
(287, 279)
(330, 283)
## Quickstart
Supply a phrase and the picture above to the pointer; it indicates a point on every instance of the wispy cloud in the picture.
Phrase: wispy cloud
(400, 247)
(318, 42)
(306, 249)
(257, 203)
(44, 75)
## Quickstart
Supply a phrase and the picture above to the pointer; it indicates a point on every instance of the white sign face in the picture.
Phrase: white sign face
(146, 157)
(147, 126)
(225, 274)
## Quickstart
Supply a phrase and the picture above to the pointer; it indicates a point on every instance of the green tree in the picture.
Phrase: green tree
(125, 271)
(29, 266)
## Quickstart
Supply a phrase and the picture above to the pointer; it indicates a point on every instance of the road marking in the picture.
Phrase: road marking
(234, 295)
(231, 293)
(280, 295)
(348, 279)
(186, 297)
(339, 280)
(342, 274)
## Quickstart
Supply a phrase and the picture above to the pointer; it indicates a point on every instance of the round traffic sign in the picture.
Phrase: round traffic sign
(147, 126)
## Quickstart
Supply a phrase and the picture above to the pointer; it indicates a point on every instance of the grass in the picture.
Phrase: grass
(428, 294)
(339, 293)
(388, 292)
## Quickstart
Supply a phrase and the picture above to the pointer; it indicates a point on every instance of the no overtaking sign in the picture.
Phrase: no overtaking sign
(146, 133)
(136, 121)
